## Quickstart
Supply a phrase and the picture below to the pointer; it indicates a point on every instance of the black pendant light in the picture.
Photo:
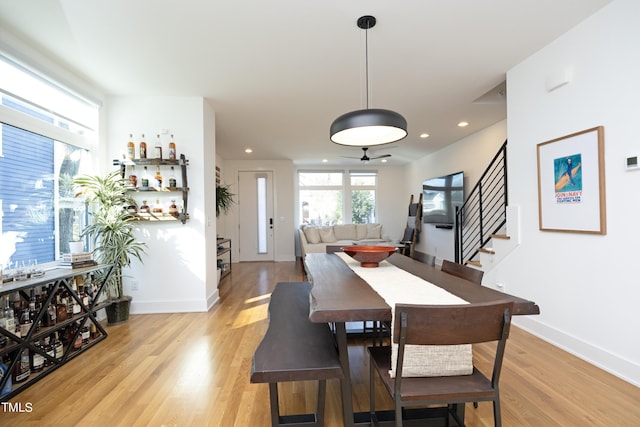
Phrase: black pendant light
(371, 126)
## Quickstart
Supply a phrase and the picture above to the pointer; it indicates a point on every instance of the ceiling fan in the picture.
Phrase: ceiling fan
(366, 158)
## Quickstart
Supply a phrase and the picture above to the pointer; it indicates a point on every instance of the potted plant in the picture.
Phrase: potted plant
(224, 199)
(112, 231)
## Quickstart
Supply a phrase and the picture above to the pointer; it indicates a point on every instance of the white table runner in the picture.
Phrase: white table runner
(396, 285)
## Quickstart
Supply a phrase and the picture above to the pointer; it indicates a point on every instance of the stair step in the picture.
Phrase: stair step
(475, 263)
(500, 236)
(487, 251)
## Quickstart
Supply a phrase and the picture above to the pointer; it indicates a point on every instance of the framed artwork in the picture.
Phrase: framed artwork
(571, 188)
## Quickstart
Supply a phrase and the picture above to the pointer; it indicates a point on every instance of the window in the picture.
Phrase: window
(45, 136)
(327, 198)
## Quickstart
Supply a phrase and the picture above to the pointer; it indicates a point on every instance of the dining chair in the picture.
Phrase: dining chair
(438, 325)
(469, 273)
(428, 259)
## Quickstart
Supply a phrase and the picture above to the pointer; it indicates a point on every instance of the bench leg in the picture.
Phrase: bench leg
(322, 394)
(310, 420)
(275, 408)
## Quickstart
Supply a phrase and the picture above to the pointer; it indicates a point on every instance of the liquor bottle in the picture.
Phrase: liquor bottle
(21, 369)
(77, 344)
(34, 309)
(143, 148)
(48, 348)
(4, 371)
(131, 148)
(173, 209)
(93, 331)
(144, 207)
(133, 178)
(158, 177)
(75, 305)
(9, 315)
(172, 179)
(145, 178)
(158, 148)
(3, 325)
(58, 349)
(25, 322)
(157, 208)
(61, 309)
(172, 149)
(85, 334)
(36, 359)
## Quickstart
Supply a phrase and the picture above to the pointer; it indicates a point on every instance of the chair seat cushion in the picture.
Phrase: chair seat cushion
(466, 388)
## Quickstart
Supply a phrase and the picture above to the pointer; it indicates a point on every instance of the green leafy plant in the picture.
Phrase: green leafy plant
(112, 228)
(224, 199)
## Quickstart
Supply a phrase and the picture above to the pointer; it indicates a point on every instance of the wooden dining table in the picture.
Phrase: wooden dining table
(339, 295)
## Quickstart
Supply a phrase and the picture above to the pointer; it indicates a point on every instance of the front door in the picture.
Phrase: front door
(255, 202)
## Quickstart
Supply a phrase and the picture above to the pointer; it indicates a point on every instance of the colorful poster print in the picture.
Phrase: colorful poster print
(568, 179)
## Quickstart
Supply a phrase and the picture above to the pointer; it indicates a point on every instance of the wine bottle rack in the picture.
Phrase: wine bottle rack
(52, 281)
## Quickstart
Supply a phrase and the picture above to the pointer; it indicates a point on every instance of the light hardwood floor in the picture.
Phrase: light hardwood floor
(192, 369)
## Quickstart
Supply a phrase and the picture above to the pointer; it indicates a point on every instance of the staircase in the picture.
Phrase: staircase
(487, 228)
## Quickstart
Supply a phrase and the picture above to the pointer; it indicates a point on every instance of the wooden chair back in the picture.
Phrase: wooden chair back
(452, 324)
(463, 271)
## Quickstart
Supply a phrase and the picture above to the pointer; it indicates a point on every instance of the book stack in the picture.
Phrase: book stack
(78, 260)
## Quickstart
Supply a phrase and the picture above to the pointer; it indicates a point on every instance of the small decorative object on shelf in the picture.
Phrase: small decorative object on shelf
(158, 148)
(143, 148)
(172, 149)
(131, 148)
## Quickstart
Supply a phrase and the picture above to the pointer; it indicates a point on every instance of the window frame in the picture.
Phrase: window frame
(346, 188)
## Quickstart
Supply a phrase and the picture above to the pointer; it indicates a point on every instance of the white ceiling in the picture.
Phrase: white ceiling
(279, 72)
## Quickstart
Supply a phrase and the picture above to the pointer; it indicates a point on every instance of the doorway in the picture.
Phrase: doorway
(255, 201)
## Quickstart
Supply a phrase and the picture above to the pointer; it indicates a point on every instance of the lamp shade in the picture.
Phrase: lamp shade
(364, 128)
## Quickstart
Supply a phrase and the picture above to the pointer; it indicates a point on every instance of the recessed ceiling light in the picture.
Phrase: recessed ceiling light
(424, 135)
(463, 124)
(324, 160)
(248, 150)
(384, 160)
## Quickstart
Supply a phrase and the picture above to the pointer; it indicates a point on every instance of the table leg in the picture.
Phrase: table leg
(345, 382)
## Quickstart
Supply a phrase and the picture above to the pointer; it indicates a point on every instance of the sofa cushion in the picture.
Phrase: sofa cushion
(326, 235)
(361, 231)
(312, 235)
(374, 231)
(345, 231)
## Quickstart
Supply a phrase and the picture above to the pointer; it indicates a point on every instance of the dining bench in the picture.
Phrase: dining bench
(295, 349)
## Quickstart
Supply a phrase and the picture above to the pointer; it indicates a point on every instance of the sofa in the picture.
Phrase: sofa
(315, 239)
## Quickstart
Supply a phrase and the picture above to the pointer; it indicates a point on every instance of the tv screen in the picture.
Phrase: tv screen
(440, 196)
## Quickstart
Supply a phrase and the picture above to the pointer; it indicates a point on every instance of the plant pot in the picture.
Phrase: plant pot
(118, 311)
(76, 247)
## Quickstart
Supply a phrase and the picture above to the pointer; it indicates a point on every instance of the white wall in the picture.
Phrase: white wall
(178, 273)
(587, 286)
(471, 155)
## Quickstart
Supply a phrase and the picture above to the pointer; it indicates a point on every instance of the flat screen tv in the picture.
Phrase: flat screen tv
(440, 196)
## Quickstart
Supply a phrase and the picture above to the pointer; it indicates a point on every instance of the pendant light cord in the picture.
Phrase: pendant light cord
(366, 61)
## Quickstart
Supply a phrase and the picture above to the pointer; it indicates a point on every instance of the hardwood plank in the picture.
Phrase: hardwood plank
(192, 369)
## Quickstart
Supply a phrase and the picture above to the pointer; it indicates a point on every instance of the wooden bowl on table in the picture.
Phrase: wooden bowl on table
(369, 256)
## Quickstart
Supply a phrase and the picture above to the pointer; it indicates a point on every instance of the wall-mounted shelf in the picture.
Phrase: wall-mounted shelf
(182, 214)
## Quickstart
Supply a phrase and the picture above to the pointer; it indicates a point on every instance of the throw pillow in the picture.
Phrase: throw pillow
(326, 235)
(312, 234)
(361, 231)
(345, 232)
(374, 231)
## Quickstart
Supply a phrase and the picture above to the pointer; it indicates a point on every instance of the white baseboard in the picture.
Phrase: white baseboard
(603, 359)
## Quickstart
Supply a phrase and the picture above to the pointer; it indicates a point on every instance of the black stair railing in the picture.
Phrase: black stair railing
(484, 212)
